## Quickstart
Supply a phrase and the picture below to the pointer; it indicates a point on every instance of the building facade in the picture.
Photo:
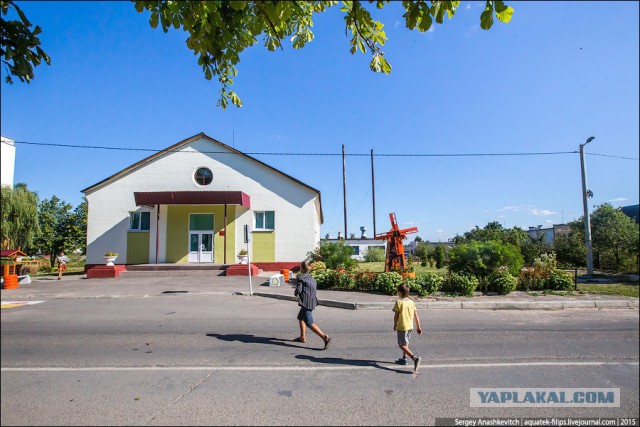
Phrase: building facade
(8, 159)
(190, 203)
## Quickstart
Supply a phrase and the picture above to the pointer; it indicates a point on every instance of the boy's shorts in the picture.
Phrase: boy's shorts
(306, 315)
(403, 337)
(62, 267)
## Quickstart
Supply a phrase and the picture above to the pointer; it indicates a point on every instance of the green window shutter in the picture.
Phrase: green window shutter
(269, 220)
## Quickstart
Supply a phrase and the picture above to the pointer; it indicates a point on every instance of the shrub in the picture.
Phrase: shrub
(374, 255)
(29, 269)
(365, 280)
(560, 281)
(530, 280)
(388, 282)
(481, 259)
(324, 278)
(317, 265)
(428, 283)
(462, 284)
(545, 264)
(344, 280)
(45, 268)
(503, 282)
(439, 255)
(334, 255)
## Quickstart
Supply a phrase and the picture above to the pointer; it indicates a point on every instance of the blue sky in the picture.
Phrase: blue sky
(557, 74)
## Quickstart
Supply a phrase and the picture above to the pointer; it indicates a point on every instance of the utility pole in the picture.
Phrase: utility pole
(344, 190)
(585, 207)
(373, 192)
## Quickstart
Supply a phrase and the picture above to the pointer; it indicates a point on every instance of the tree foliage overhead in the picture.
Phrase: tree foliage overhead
(20, 46)
(220, 31)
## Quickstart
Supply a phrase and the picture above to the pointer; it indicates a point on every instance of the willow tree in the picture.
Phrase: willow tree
(20, 227)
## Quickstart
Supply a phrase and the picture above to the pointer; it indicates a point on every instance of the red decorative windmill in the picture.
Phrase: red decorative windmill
(395, 247)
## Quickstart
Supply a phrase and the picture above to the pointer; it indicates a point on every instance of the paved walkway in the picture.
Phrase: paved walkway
(77, 286)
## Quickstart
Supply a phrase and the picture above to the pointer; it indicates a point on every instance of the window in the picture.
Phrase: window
(139, 221)
(203, 176)
(265, 220)
(201, 222)
(356, 250)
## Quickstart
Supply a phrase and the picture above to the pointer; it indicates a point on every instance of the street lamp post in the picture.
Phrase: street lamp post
(587, 221)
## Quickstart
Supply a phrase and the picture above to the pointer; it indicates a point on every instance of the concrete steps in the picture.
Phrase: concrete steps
(175, 270)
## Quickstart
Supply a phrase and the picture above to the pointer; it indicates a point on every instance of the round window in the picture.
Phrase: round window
(203, 176)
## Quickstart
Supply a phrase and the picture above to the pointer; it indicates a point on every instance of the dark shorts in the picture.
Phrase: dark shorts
(306, 315)
(404, 337)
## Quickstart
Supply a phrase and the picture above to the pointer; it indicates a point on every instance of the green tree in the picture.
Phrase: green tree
(615, 238)
(334, 255)
(57, 225)
(19, 213)
(219, 31)
(423, 251)
(532, 247)
(570, 248)
(440, 255)
(481, 259)
(374, 254)
(79, 226)
(20, 46)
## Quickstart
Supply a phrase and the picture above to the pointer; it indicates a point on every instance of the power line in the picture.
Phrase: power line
(615, 157)
(261, 153)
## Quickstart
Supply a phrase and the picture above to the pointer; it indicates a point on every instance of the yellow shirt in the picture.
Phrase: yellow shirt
(406, 309)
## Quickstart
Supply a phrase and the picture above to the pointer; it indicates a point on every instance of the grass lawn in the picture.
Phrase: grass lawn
(622, 289)
(379, 267)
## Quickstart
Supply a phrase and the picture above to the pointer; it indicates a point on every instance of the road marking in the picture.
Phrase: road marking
(14, 304)
(307, 368)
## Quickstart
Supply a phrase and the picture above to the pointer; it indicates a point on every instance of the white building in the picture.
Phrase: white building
(360, 246)
(8, 159)
(549, 234)
(189, 204)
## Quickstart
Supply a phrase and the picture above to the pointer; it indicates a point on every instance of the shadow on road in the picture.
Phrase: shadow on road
(352, 362)
(252, 339)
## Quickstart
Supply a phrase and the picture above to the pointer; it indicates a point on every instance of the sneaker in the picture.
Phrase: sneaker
(402, 361)
(416, 364)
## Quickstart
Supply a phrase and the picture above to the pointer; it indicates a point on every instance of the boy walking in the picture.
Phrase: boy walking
(62, 264)
(308, 301)
(405, 313)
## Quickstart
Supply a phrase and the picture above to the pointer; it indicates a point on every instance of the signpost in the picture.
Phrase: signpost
(247, 240)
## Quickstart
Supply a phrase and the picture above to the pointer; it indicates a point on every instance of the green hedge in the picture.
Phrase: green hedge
(462, 284)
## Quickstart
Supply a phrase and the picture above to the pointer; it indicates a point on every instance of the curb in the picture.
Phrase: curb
(465, 305)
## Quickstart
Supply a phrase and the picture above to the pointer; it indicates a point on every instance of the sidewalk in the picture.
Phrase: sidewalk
(78, 287)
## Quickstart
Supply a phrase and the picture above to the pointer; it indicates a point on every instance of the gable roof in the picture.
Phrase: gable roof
(185, 142)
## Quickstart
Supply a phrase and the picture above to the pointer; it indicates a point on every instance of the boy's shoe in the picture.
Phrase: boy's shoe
(327, 343)
(416, 364)
(402, 361)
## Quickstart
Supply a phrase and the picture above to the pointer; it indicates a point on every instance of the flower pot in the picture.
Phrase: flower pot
(243, 259)
(110, 260)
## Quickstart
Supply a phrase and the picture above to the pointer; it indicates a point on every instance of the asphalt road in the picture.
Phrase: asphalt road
(228, 360)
